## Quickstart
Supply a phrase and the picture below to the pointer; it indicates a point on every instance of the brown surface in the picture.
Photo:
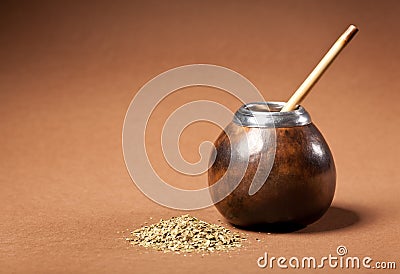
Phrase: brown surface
(69, 70)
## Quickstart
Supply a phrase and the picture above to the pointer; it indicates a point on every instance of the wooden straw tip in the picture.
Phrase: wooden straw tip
(349, 33)
(353, 27)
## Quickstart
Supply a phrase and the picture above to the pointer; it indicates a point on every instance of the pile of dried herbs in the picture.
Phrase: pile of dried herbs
(185, 234)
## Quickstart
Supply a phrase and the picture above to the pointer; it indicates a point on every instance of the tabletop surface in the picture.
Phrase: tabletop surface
(69, 70)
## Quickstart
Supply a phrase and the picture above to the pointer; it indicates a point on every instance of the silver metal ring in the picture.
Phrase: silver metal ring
(268, 115)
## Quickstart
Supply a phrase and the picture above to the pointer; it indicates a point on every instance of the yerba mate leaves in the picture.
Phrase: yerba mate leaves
(185, 234)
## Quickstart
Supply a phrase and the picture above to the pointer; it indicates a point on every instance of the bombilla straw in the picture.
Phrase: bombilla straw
(314, 76)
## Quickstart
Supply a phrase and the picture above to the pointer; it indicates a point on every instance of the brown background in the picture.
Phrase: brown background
(69, 69)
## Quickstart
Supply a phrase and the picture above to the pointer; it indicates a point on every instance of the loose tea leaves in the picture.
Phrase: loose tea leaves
(185, 234)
